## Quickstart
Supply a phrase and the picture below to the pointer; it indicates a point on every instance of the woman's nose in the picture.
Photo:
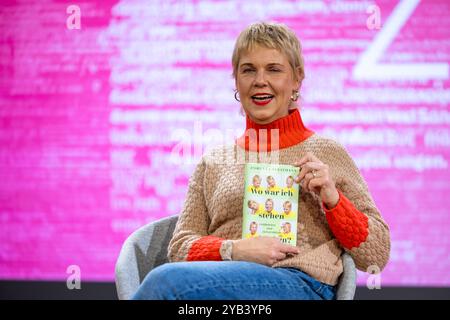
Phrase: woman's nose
(260, 78)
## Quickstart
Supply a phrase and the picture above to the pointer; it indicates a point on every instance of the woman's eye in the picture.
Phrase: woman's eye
(247, 70)
(274, 70)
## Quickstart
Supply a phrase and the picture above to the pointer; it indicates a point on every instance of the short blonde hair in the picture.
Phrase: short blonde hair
(274, 36)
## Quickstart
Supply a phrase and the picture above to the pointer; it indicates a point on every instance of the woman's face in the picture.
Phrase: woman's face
(289, 182)
(265, 82)
(269, 206)
(271, 182)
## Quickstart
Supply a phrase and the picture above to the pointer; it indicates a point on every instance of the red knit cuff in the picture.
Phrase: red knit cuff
(205, 249)
(349, 225)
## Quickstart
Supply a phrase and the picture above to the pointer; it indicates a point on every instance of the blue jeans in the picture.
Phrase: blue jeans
(230, 280)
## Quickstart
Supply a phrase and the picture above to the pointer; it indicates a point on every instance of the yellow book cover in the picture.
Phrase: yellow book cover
(270, 202)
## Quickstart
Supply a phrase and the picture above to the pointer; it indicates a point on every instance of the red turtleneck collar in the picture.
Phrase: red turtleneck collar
(291, 131)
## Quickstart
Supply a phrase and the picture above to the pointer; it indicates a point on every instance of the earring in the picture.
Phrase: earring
(235, 95)
(295, 96)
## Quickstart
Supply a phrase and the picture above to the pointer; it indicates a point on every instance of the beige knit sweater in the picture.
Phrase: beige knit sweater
(214, 207)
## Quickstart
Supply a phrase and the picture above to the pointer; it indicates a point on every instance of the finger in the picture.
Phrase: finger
(304, 169)
(271, 262)
(307, 174)
(306, 181)
(311, 176)
(315, 185)
(308, 167)
(280, 256)
(285, 248)
(306, 158)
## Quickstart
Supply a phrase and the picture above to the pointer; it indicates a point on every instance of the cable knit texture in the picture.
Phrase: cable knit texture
(286, 132)
(214, 203)
(349, 225)
(205, 249)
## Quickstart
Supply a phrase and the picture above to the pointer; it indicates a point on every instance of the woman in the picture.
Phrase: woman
(255, 207)
(287, 207)
(289, 185)
(269, 208)
(336, 211)
(256, 187)
(253, 230)
(271, 184)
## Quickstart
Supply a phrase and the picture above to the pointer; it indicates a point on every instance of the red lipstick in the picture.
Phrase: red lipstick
(261, 99)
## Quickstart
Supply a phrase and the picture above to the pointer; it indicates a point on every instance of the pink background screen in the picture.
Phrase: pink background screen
(90, 117)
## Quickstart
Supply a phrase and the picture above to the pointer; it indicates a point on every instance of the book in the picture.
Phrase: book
(270, 202)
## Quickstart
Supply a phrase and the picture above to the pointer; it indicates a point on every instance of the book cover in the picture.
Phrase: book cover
(270, 202)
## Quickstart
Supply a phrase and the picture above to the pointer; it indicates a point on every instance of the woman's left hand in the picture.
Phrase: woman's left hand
(315, 177)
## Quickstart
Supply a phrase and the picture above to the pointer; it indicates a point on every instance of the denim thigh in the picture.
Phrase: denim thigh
(230, 280)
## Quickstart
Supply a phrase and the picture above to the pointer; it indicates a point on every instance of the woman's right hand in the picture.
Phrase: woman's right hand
(263, 250)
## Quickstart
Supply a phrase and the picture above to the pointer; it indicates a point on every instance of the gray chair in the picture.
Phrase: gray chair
(146, 248)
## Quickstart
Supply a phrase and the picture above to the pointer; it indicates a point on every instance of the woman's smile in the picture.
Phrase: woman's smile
(261, 99)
